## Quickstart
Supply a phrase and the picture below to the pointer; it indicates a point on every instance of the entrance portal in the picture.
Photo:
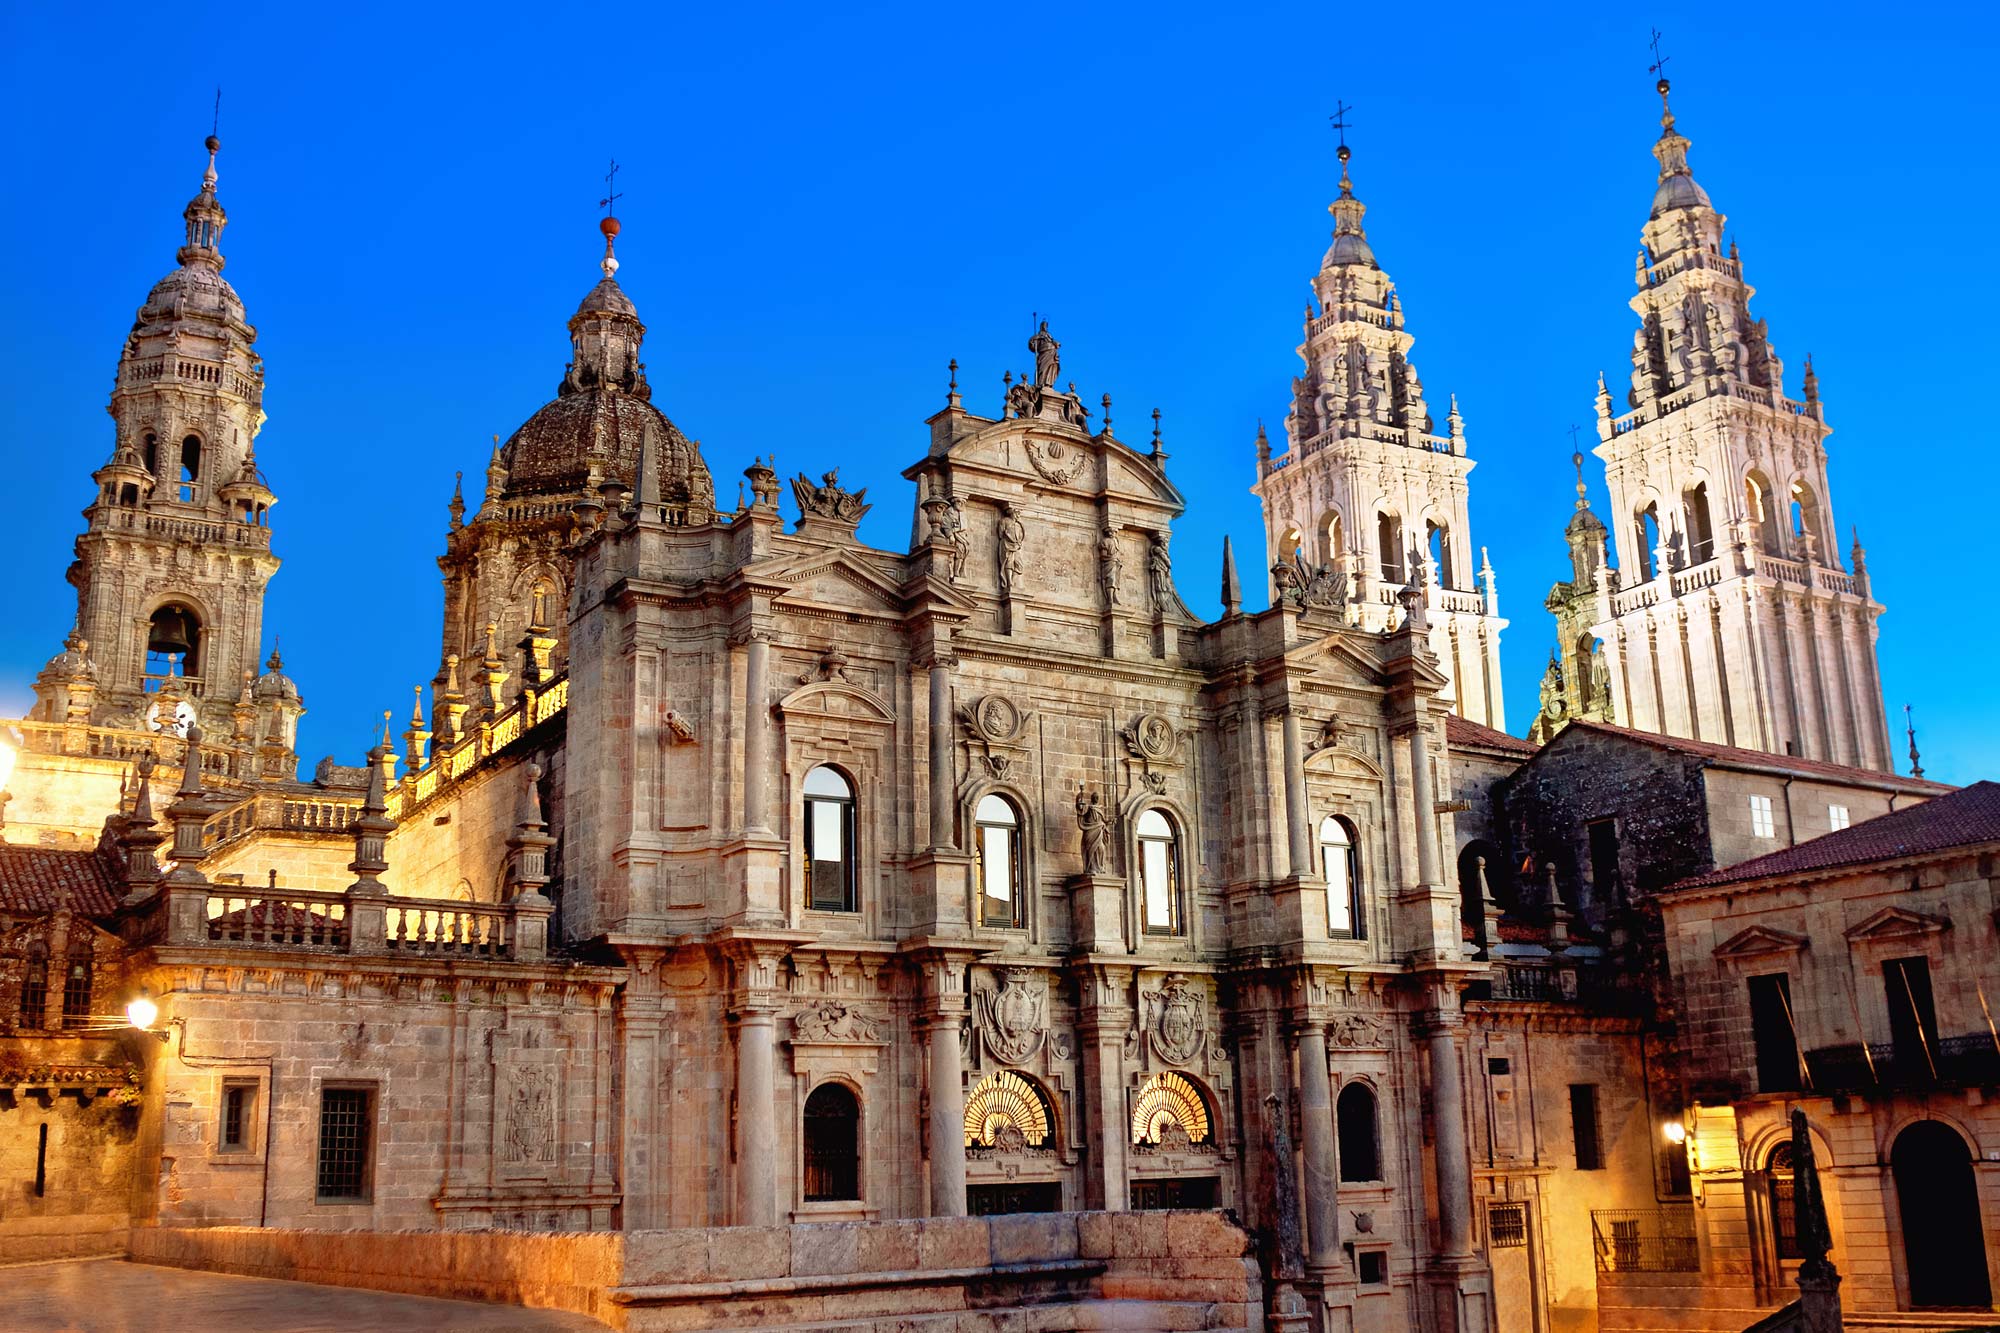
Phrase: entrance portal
(1944, 1245)
(1174, 1192)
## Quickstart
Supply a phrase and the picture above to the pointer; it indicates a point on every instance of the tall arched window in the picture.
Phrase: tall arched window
(998, 848)
(190, 480)
(1288, 546)
(1700, 528)
(76, 982)
(35, 986)
(1804, 515)
(1389, 543)
(1437, 542)
(1784, 1211)
(152, 454)
(173, 643)
(1646, 533)
(1354, 1124)
(829, 828)
(1332, 539)
(1160, 874)
(1340, 866)
(832, 1144)
(1757, 506)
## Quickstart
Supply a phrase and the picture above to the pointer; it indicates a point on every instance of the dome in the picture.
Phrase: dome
(556, 449)
(196, 288)
(1679, 191)
(73, 662)
(608, 297)
(1585, 522)
(1349, 248)
(274, 683)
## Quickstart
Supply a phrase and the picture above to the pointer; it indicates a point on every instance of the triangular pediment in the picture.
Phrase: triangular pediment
(1347, 657)
(1896, 922)
(834, 579)
(1759, 940)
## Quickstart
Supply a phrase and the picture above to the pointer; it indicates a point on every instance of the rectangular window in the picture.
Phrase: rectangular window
(346, 1124)
(1583, 1126)
(1334, 865)
(1604, 875)
(1837, 817)
(1372, 1268)
(1507, 1225)
(996, 870)
(238, 1100)
(1772, 1033)
(1156, 871)
(1912, 1013)
(1762, 824)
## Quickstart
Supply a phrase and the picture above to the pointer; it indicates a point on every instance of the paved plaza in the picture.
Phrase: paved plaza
(112, 1296)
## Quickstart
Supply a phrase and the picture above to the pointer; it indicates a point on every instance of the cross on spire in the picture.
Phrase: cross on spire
(1339, 120)
(1659, 65)
(609, 203)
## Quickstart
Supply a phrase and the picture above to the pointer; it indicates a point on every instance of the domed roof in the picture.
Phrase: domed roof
(274, 683)
(608, 296)
(1349, 248)
(73, 662)
(1679, 191)
(192, 288)
(600, 430)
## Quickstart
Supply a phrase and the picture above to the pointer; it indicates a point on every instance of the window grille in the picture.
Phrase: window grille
(76, 987)
(236, 1100)
(832, 1145)
(344, 1126)
(1507, 1226)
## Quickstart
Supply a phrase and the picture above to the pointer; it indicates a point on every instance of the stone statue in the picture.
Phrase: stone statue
(1048, 361)
(1110, 566)
(1095, 826)
(1160, 574)
(1554, 705)
(958, 535)
(829, 499)
(1012, 534)
(1600, 681)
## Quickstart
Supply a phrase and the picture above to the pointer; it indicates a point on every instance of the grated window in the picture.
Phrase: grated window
(344, 1125)
(1507, 1225)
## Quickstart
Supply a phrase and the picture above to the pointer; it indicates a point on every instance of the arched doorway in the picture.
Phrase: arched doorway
(1944, 1245)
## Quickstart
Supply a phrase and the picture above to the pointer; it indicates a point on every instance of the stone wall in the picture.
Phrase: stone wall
(87, 1174)
(1045, 1272)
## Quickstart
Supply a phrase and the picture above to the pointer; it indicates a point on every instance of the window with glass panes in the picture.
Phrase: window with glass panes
(1341, 868)
(829, 838)
(1160, 873)
(998, 848)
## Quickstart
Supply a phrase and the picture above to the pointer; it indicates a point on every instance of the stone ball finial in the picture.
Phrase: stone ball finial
(211, 143)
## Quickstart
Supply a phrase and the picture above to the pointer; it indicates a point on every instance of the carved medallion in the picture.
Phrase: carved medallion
(1014, 1015)
(1151, 737)
(1357, 1031)
(1179, 1021)
(830, 1020)
(1057, 462)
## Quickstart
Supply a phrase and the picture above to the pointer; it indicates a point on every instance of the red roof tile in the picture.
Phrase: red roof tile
(34, 880)
(1730, 756)
(1963, 818)
(1458, 731)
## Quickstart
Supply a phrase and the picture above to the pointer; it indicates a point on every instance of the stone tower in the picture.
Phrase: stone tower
(171, 570)
(507, 573)
(1370, 497)
(1729, 617)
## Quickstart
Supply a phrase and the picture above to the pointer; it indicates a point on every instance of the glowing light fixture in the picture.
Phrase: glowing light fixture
(1675, 1131)
(142, 1012)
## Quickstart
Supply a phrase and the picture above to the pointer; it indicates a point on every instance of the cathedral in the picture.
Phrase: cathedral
(739, 875)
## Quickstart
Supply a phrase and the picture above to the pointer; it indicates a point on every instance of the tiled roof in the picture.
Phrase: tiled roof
(1967, 817)
(1458, 731)
(34, 880)
(1729, 756)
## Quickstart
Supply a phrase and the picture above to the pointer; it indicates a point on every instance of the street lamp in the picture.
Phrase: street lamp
(1675, 1131)
(141, 1012)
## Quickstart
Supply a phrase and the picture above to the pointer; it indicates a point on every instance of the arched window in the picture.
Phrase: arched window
(829, 818)
(1332, 539)
(1169, 1111)
(190, 481)
(1006, 1112)
(1354, 1124)
(998, 848)
(832, 1144)
(1389, 546)
(1288, 546)
(173, 644)
(1700, 527)
(35, 986)
(1437, 541)
(1804, 515)
(1784, 1211)
(152, 454)
(1646, 533)
(1757, 506)
(1340, 866)
(76, 982)
(1160, 874)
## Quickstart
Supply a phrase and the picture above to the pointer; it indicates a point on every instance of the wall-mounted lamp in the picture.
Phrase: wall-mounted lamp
(141, 1013)
(1675, 1131)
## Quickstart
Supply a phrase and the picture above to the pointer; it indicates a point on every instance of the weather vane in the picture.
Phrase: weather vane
(1339, 119)
(611, 192)
(1659, 65)
(215, 126)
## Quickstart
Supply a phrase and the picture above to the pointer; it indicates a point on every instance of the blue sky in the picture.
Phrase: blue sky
(822, 208)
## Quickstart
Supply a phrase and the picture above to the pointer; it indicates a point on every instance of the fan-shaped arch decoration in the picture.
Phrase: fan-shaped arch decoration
(1005, 1111)
(1169, 1111)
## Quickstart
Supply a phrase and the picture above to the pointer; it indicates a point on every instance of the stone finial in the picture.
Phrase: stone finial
(1159, 450)
(1232, 587)
(457, 505)
(496, 475)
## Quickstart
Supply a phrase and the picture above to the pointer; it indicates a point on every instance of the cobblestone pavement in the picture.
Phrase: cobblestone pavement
(112, 1296)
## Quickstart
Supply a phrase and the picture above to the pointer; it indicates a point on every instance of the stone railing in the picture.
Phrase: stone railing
(117, 518)
(127, 745)
(301, 919)
(449, 763)
(480, 930)
(1635, 598)
(1705, 575)
(349, 923)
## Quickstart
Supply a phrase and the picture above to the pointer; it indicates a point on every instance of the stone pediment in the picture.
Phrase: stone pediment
(835, 580)
(836, 698)
(1895, 923)
(1349, 658)
(1760, 940)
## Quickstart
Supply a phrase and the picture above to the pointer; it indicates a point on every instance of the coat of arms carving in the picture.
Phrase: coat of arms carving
(1178, 1020)
(830, 1020)
(1357, 1031)
(1014, 1015)
(531, 1116)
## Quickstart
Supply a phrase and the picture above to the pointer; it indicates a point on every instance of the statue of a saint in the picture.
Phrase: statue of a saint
(1160, 574)
(1095, 827)
(958, 535)
(1012, 534)
(1048, 362)
(1110, 567)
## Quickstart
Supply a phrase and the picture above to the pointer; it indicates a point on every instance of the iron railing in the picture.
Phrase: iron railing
(1645, 1240)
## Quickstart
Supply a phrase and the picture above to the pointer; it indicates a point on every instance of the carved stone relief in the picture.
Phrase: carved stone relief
(829, 1020)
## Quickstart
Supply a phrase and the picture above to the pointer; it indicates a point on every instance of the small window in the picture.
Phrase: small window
(76, 983)
(346, 1131)
(1160, 873)
(1354, 1124)
(1371, 1268)
(829, 812)
(190, 480)
(1583, 1126)
(1772, 1034)
(832, 1144)
(1837, 817)
(1762, 824)
(1784, 1209)
(1913, 1025)
(238, 1102)
(1604, 873)
(35, 987)
(998, 849)
(1340, 865)
(1499, 1064)
(1389, 544)
(1507, 1226)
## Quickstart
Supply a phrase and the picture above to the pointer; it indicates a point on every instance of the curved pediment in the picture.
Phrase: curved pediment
(837, 699)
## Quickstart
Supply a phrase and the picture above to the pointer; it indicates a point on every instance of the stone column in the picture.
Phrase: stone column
(1454, 1165)
(947, 1122)
(757, 735)
(1425, 799)
(1297, 818)
(1104, 1018)
(756, 1117)
(941, 784)
(1316, 1140)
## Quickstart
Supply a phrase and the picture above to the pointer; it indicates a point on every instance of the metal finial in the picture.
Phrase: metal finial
(215, 124)
(954, 374)
(1340, 125)
(609, 203)
(1909, 724)
(1659, 65)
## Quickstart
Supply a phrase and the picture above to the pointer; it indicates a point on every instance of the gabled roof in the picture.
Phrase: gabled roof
(1968, 817)
(35, 880)
(1470, 735)
(1758, 761)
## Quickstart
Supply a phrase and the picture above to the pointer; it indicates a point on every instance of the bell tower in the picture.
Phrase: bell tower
(1370, 496)
(1730, 617)
(171, 568)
